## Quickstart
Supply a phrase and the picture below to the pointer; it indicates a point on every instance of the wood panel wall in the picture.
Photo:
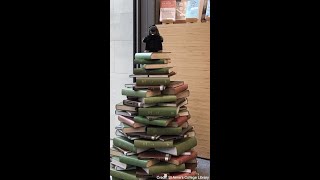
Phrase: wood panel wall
(189, 45)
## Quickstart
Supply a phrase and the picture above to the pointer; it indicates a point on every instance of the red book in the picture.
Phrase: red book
(177, 160)
(181, 175)
(175, 90)
(178, 121)
(130, 122)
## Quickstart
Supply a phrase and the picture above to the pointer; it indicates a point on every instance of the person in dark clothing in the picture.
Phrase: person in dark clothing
(153, 40)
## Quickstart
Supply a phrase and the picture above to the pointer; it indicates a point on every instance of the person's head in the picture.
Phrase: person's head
(153, 30)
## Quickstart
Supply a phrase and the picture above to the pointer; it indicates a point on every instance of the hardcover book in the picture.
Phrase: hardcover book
(163, 167)
(154, 61)
(177, 160)
(159, 111)
(180, 146)
(133, 160)
(140, 93)
(160, 71)
(136, 103)
(152, 82)
(152, 55)
(164, 130)
(141, 143)
(129, 121)
(127, 144)
(159, 99)
(173, 84)
(154, 155)
(175, 90)
(156, 122)
(120, 106)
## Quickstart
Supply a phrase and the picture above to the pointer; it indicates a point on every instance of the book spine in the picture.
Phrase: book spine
(143, 120)
(142, 71)
(155, 155)
(164, 131)
(144, 61)
(133, 160)
(158, 111)
(139, 143)
(121, 143)
(152, 81)
(165, 167)
(160, 99)
(132, 93)
(122, 174)
(187, 145)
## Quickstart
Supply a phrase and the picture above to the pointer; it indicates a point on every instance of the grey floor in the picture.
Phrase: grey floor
(203, 167)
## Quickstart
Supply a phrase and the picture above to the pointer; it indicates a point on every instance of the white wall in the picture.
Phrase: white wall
(121, 53)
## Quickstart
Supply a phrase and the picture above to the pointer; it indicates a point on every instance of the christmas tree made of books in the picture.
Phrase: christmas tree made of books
(154, 137)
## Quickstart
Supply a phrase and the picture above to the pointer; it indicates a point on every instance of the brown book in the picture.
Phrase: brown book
(175, 90)
(178, 121)
(154, 155)
(122, 107)
(192, 161)
(129, 122)
(175, 84)
(177, 160)
(192, 166)
(182, 175)
(183, 94)
(127, 129)
(143, 135)
(156, 66)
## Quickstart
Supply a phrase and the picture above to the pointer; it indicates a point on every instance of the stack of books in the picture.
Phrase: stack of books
(154, 139)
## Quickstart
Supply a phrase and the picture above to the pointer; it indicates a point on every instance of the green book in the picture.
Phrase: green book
(147, 61)
(141, 143)
(156, 122)
(143, 71)
(140, 93)
(152, 81)
(133, 160)
(126, 144)
(159, 99)
(158, 111)
(152, 55)
(128, 175)
(180, 146)
(164, 131)
(163, 167)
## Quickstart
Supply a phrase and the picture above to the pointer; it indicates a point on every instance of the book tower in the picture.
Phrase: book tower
(154, 139)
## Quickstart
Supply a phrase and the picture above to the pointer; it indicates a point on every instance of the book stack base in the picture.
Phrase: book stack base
(154, 139)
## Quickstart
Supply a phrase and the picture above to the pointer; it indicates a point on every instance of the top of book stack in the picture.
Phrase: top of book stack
(152, 55)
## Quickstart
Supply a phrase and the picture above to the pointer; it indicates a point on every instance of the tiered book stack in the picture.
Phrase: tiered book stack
(154, 139)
